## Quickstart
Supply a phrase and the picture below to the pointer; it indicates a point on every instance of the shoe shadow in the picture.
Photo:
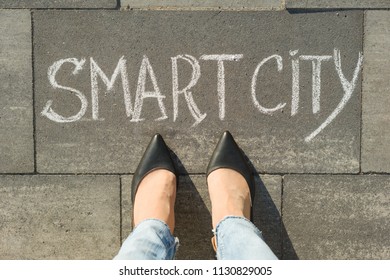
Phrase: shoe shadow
(193, 218)
(193, 215)
(267, 214)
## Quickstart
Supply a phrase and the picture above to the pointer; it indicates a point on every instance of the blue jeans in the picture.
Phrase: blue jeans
(237, 239)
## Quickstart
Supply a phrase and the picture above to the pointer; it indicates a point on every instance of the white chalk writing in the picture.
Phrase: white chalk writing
(51, 73)
(146, 73)
(295, 83)
(221, 77)
(195, 112)
(97, 71)
(262, 109)
(142, 94)
(348, 88)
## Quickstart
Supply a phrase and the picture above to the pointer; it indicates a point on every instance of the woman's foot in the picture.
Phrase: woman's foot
(229, 194)
(155, 198)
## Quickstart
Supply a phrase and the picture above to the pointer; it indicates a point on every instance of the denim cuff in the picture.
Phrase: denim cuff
(150, 240)
(164, 233)
(232, 218)
(159, 226)
(239, 239)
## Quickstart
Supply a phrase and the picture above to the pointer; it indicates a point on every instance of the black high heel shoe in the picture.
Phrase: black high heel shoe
(156, 156)
(227, 154)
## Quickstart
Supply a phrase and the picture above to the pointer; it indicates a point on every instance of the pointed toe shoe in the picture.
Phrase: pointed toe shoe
(227, 154)
(156, 156)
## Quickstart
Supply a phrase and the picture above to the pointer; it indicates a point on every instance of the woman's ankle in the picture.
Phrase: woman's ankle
(229, 194)
(155, 198)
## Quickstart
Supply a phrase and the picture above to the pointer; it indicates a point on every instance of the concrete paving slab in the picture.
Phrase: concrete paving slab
(59, 217)
(329, 4)
(204, 4)
(193, 216)
(107, 81)
(47, 4)
(16, 104)
(337, 217)
(376, 100)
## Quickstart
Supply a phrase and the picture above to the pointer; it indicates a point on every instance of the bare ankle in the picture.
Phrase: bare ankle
(229, 194)
(155, 198)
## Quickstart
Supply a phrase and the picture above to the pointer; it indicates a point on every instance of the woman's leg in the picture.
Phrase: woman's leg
(239, 239)
(153, 219)
(235, 236)
(150, 240)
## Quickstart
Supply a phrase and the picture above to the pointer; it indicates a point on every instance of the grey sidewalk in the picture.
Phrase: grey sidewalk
(304, 92)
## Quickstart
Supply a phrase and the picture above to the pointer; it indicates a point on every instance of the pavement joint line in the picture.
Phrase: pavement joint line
(315, 10)
(361, 94)
(63, 9)
(201, 174)
(33, 92)
(281, 218)
(119, 7)
(225, 9)
(120, 211)
(63, 174)
(74, 9)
